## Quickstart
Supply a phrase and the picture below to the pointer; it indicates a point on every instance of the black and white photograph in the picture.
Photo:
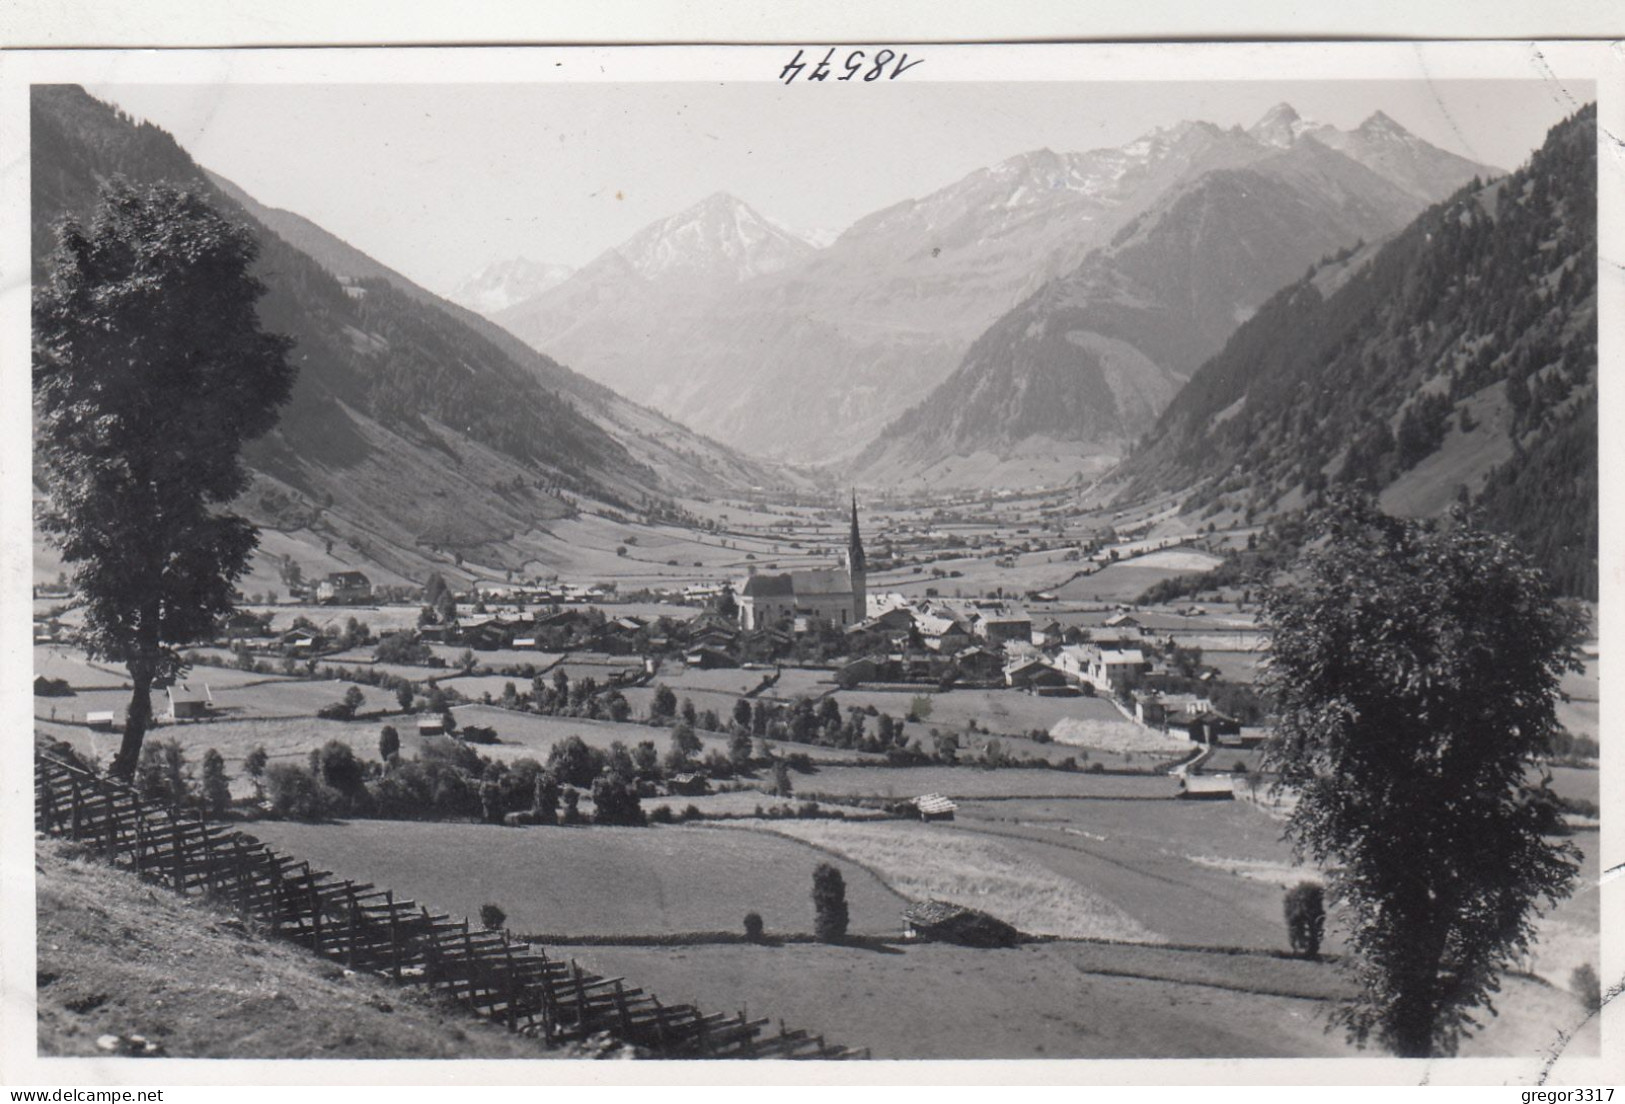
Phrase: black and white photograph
(886, 553)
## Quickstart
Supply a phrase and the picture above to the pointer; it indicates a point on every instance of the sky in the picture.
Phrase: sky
(438, 181)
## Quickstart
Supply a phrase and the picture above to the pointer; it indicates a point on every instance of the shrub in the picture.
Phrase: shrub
(1583, 983)
(829, 904)
(1097, 768)
(51, 688)
(662, 814)
(1305, 908)
(492, 918)
(295, 791)
(753, 926)
(478, 734)
(692, 812)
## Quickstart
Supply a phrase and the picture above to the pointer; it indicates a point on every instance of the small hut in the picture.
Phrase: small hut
(941, 922)
(935, 807)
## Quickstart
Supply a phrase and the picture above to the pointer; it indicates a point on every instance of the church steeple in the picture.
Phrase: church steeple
(857, 567)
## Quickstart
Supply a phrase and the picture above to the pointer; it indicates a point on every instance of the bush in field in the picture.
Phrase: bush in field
(478, 734)
(404, 648)
(296, 792)
(753, 927)
(492, 918)
(344, 709)
(662, 814)
(615, 801)
(1305, 908)
(389, 743)
(51, 688)
(216, 785)
(665, 703)
(1583, 983)
(829, 904)
(692, 812)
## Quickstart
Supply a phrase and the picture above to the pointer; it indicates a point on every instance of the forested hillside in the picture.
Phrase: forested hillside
(1458, 362)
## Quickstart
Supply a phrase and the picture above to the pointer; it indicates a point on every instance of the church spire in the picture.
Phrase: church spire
(854, 543)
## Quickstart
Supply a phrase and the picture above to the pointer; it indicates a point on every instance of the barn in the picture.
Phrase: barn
(942, 922)
(935, 807)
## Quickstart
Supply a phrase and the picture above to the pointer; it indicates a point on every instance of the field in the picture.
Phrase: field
(593, 881)
(1054, 1000)
(969, 782)
(975, 871)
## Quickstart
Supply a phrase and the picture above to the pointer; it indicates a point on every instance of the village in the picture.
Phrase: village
(967, 712)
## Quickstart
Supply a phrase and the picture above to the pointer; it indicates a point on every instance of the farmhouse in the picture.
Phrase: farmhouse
(1206, 787)
(709, 659)
(997, 629)
(1154, 708)
(1207, 727)
(1033, 674)
(187, 703)
(342, 587)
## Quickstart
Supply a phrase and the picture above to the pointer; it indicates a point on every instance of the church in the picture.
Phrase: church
(838, 596)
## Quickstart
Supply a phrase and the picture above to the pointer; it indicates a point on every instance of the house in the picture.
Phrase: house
(996, 629)
(297, 642)
(942, 634)
(1206, 787)
(1206, 727)
(1034, 674)
(431, 726)
(935, 807)
(1154, 708)
(1114, 667)
(189, 703)
(344, 587)
(688, 784)
(1122, 621)
(100, 720)
(710, 659)
(975, 664)
(860, 670)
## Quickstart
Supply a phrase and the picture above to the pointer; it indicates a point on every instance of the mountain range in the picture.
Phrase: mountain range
(418, 430)
(785, 350)
(1454, 363)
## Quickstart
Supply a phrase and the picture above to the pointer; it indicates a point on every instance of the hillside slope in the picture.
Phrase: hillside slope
(1458, 361)
(1092, 358)
(120, 957)
(417, 430)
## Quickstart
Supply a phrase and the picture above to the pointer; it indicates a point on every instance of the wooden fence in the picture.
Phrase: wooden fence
(368, 928)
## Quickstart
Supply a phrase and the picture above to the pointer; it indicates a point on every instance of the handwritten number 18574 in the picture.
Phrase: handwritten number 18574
(857, 64)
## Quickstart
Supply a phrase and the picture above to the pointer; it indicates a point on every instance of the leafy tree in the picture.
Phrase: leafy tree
(753, 927)
(1415, 668)
(572, 761)
(615, 801)
(340, 769)
(216, 785)
(254, 766)
(739, 746)
(685, 742)
(829, 904)
(492, 918)
(665, 702)
(782, 786)
(742, 712)
(1305, 909)
(646, 759)
(150, 371)
(389, 743)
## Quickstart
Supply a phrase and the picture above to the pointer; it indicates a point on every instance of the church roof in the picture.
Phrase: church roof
(807, 584)
(769, 586)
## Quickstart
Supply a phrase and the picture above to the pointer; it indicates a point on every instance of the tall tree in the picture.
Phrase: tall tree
(150, 372)
(1416, 669)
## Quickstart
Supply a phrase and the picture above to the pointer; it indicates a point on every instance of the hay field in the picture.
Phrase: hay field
(923, 862)
(590, 881)
(973, 782)
(1118, 734)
